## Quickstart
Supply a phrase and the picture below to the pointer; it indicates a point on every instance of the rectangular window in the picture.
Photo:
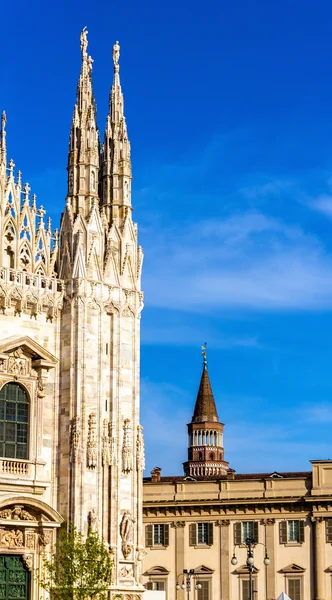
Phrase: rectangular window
(328, 526)
(202, 533)
(291, 532)
(204, 592)
(156, 586)
(247, 530)
(294, 589)
(246, 589)
(158, 535)
(244, 531)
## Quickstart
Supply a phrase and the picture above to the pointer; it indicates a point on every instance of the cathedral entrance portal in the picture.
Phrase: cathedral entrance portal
(14, 578)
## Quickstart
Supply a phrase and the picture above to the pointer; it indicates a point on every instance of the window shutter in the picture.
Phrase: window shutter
(210, 534)
(245, 589)
(237, 534)
(255, 531)
(328, 526)
(301, 532)
(166, 535)
(283, 532)
(149, 535)
(149, 584)
(192, 534)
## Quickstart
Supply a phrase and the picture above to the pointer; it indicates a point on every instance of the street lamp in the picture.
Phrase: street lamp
(187, 576)
(250, 544)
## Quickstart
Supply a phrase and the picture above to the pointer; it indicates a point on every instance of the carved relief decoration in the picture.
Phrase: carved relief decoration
(127, 452)
(18, 513)
(28, 561)
(45, 537)
(140, 456)
(30, 540)
(126, 571)
(11, 538)
(17, 365)
(75, 435)
(92, 442)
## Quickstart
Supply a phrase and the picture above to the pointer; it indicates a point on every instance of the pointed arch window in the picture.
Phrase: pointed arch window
(14, 421)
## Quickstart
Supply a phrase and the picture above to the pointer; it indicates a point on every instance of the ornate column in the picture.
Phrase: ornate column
(319, 557)
(271, 568)
(179, 554)
(224, 524)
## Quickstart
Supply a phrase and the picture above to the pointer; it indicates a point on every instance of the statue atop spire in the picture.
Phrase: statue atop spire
(84, 43)
(116, 56)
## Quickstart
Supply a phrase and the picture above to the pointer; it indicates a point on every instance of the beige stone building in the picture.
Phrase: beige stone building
(71, 445)
(200, 521)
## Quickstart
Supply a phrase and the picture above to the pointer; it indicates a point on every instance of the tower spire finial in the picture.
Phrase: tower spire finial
(84, 43)
(3, 149)
(204, 355)
(116, 56)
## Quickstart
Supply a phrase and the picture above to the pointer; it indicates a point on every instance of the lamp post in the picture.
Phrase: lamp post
(187, 576)
(250, 545)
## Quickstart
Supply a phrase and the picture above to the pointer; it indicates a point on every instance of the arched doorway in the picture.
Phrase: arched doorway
(14, 578)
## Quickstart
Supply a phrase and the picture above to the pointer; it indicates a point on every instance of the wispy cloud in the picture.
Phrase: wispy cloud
(250, 260)
(323, 204)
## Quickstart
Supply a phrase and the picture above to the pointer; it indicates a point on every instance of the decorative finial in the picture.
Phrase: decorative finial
(11, 166)
(3, 138)
(26, 191)
(204, 355)
(41, 213)
(19, 178)
(84, 42)
(116, 56)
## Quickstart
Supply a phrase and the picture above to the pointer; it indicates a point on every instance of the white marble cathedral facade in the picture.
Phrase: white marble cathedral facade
(71, 445)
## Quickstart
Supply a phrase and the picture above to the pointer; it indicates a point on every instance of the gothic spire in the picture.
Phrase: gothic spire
(83, 159)
(3, 148)
(116, 165)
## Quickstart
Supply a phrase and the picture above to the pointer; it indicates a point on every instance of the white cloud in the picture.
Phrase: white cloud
(323, 204)
(249, 260)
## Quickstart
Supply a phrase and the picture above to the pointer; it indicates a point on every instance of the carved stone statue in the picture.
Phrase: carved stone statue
(140, 457)
(92, 442)
(75, 434)
(92, 521)
(126, 532)
(105, 450)
(127, 452)
(116, 55)
(84, 41)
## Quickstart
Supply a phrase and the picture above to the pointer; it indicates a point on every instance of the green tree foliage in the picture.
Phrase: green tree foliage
(80, 569)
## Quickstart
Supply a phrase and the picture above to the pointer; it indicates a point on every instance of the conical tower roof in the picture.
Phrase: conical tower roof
(205, 407)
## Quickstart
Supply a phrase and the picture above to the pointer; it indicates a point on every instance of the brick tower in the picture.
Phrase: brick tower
(205, 433)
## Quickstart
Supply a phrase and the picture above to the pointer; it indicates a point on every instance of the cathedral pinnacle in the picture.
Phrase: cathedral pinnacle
(115, 157)
(3, 149)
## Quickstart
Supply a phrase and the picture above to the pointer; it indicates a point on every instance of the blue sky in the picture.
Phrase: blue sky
(229, 110)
